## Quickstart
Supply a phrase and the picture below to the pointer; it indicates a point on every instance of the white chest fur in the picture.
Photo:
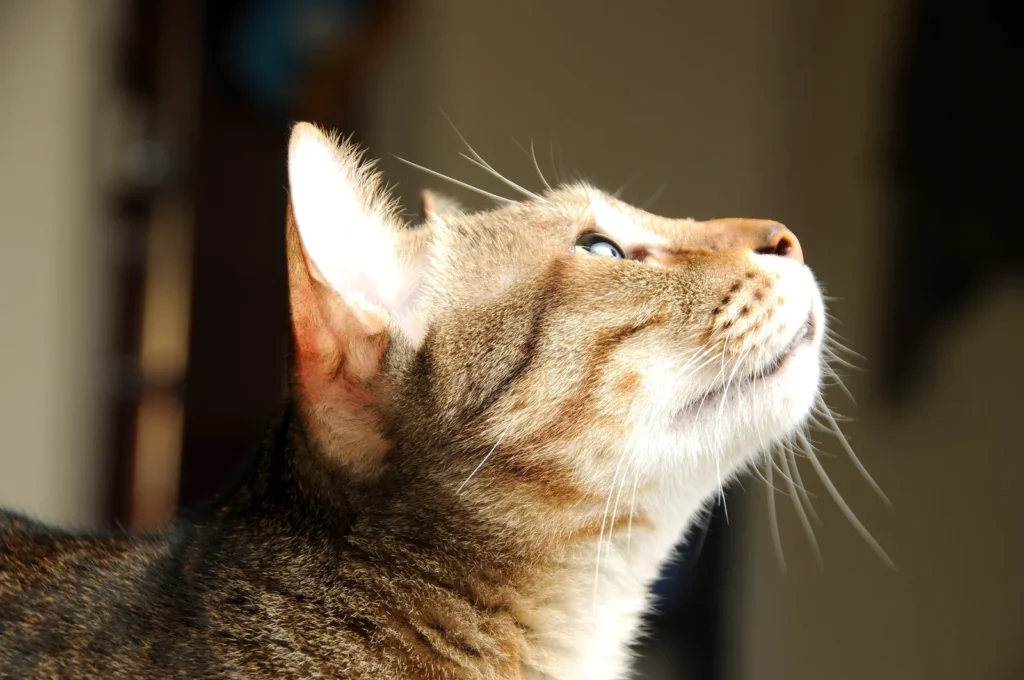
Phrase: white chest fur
(586, 627)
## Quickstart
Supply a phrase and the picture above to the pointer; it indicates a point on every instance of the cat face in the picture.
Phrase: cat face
(556, 347)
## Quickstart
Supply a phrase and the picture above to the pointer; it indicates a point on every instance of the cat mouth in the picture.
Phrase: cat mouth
(802, 337)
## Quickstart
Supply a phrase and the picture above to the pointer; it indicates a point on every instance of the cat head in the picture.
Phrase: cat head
(553, 347)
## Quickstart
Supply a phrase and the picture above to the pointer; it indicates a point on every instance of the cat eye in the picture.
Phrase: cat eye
(595, 244)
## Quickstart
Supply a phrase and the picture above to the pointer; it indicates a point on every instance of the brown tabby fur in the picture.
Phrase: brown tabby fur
(366, 539)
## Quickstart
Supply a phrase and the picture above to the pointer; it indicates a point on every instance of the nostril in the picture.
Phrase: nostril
(782, 242)
(783, 247)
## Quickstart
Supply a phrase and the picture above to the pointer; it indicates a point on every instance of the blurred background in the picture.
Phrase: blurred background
(142, 300)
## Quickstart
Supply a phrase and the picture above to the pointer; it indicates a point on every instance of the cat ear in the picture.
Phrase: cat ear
(438, 206)
(350, 230)
(355, 272)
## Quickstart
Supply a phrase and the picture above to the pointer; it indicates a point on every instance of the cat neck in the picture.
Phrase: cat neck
(471, 586)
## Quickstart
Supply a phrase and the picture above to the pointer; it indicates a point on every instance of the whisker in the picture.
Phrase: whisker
(622, 187)
(654, 414)
(839, 360)
(502, 178)
(532, 155)
(778, 447)
(721, 410)
(840, 383)
(705, 352)
(853, 456)
(604, 520)
(655, 197)
(536, 165)
(773, 519)
(812, 418)
(702, 352)
(718, 468)
(801, 488)
(754, 469)
(554, 167)
(819, 453)
(478, 160)
(861, 529)
(721, 371)
(799, 506)
(462, 184)
(840, 418)
(618, 495)
(835, 341)
(632, 508)
(481, 464)
(840, 340)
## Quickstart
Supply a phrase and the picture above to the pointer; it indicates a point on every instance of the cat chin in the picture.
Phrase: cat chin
(775, 406)
(732, 426)
(785, 389)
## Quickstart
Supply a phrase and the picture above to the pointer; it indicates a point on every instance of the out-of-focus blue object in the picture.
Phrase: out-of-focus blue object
(272, 43)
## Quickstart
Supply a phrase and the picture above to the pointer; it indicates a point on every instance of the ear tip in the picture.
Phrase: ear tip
(309, 140)
(304, 127)
(312, 150)
(305, 131)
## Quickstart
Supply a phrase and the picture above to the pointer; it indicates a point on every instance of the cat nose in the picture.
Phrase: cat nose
(766, 237)
(779, 240)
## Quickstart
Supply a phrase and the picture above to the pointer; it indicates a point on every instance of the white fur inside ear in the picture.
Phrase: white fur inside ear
(347, 224)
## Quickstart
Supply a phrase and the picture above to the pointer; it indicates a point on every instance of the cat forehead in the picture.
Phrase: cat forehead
(573, 208)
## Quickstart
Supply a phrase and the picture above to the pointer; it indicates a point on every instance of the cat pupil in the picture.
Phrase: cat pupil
(599, 246)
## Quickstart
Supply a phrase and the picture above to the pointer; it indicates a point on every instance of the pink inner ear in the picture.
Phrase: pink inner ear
(337, 349)
(333, 369)
(332, 380)
(323, 381)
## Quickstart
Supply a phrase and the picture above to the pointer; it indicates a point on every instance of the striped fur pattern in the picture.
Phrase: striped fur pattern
(494, 441)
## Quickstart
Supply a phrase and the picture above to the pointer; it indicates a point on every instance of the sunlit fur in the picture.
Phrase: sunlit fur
(545, 422)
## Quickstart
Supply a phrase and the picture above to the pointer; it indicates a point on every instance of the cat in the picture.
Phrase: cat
(500, 424)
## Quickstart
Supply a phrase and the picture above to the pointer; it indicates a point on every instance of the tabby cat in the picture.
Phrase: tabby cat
(500, 425)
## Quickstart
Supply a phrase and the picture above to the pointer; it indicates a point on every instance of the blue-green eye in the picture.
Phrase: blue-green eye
(595, 244)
